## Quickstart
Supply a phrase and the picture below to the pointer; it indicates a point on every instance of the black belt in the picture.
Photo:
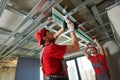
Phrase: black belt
(56, 77)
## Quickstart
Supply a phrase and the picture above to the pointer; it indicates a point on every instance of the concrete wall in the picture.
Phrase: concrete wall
(7, 73)
(112, 49)
(113, 59)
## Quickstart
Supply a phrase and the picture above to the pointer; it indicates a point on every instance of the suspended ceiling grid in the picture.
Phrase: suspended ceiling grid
(20, 19)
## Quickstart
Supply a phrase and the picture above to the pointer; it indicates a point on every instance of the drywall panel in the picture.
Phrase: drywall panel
(114, 17)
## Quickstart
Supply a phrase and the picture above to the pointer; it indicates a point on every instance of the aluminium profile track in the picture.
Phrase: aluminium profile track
(36, 8)
(30, 34)
(3, 4)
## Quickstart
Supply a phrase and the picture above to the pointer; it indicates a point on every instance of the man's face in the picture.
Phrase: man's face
(50, 36)
(93, 50)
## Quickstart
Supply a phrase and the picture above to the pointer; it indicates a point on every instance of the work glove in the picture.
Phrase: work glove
(65, 25)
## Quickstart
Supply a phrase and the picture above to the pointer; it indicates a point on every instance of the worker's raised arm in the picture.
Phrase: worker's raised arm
(74, 45)
(99, 46)
(85, 51)
(58, 33)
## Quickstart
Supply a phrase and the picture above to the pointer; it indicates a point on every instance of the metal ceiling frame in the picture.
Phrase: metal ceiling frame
(3, 4)
(97, 27)
(28, 16)
(99, 19)
(10, 50)
(96, 16)
(89, 19)
(78, 7)
(73, 19)
(20, 39)
(23, 40)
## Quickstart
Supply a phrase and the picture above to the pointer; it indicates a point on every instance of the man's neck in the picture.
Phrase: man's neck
(95, 54)
(48, 43)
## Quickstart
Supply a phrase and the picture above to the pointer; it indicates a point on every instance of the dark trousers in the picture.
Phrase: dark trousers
(102, 77)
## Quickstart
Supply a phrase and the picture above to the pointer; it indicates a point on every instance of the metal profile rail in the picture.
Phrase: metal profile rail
(3, 4)
(74, 10)
(63, 35)
(59, 18)
(97, 27)
(18, 44)
(30, 34)
(79, 32)
(29, 27)
(36, 8)
(89, 19)
(78, 7)
(56, 31)
(99, 19)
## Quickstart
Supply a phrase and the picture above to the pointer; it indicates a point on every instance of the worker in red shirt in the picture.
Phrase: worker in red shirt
(98, 61)
(52, 53)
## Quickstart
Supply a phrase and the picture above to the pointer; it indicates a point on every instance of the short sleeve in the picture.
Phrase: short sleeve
(57, 51)
(90, 57)
(101, 55)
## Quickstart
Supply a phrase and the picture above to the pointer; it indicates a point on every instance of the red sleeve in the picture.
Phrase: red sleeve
(90, 57)
(57, 51)
(102, 57)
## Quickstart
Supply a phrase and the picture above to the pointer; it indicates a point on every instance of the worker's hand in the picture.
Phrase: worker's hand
(70, 25)
(94, 39)
(67, 20)
(89, 45)
(49, 20)
(65, 17)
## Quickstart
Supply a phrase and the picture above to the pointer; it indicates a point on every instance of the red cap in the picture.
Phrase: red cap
(39, 35)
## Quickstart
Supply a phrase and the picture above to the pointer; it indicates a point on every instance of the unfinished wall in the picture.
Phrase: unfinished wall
(113, 59)
(112, 49)
(7, 73)
(114, 17)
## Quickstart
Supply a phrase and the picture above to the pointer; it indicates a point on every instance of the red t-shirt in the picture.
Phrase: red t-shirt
(102, 60)
(51, 59)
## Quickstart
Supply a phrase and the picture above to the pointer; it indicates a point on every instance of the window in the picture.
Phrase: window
(85, 68)
(41, 74)
(72, 71)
